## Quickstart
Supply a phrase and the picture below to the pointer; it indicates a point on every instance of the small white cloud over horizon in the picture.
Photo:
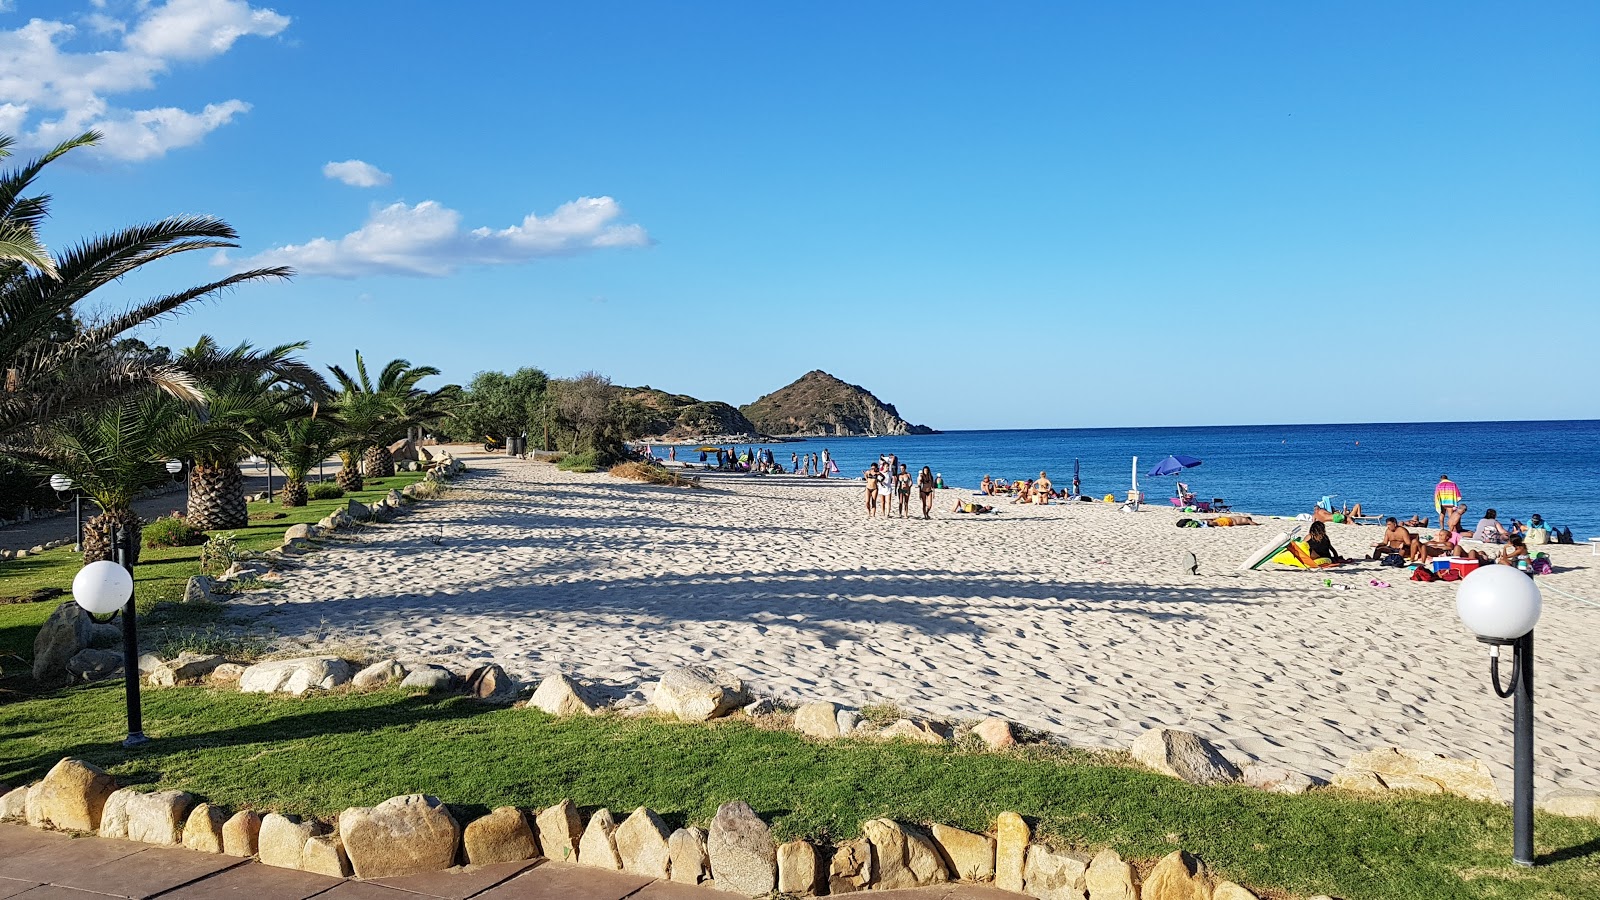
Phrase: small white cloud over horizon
(356, 173)
(48, 94)
(426, 240)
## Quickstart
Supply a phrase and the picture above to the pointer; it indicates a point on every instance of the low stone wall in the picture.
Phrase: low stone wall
(737, 854)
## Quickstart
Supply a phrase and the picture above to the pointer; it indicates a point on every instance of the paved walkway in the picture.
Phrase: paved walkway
(44, 865)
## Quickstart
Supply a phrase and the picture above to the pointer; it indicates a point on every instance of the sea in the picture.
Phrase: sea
(1516, 468)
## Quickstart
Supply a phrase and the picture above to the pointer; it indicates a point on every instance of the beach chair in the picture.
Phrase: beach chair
(1199, 505)
(1220, 505)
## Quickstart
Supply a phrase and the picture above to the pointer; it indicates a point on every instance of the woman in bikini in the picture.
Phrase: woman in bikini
(925, 489)
(902, 489)
(871, 475)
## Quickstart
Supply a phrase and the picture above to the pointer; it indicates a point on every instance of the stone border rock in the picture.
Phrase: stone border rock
(417, 833)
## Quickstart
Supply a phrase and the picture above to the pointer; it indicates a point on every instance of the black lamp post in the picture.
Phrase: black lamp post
(1501, 605)
(105, 588)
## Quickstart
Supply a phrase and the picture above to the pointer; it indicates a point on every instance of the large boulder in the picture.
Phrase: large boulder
(299, 532)
(1012, 836)
(699, 693)
(1052, 875)
(1578, 804)
(1178, 876)
(159, 817)
(1109, 877)
(1227, 890)
(67, 631)
(241, 833)
(114, 815)
(378, 674)
(743, 857)
(491, 683)
(691, 864)
(598, 846)
(819, 719)
(559, 695)
(430, 678)
(1275, 779)
(400, 836)
(295, 676)
(968, 856)
(358, 511)
(850, 870)
(905, 857)
(996, 733)
(501, 836)
(72, 796)
(188, 666)
(202, 831)
(324, 854)
(1184, 755)
(92, 665)
(799, 869)
(642, 844)
(281, 841)
(920, 731)
(1420, 770)
(560, 830)
(14, 805)
(200, 589)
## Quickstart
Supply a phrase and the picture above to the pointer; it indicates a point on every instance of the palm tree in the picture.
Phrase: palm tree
(252, 390)
(118, 449)
(376, 414)
(52, 365)
(299, 442)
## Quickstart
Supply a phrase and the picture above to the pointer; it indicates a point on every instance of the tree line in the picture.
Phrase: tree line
(84, 398)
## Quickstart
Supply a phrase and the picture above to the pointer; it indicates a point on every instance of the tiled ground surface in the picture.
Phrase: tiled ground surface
(42, 865)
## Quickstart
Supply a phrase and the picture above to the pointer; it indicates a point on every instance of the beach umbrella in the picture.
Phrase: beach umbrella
(1172, 465)
(707, 449)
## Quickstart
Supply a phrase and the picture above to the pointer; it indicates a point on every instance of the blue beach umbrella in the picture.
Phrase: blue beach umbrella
(1172, 465)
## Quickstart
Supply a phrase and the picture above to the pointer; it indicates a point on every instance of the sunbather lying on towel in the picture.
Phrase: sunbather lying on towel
(1229, 520)
(975, 508)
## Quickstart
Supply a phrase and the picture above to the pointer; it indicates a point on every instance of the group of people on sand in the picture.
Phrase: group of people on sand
(1039, 490)
(890, 485)
(760, 461)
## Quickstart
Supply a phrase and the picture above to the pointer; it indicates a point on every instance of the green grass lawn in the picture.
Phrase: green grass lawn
(160, 576)
(320, 754)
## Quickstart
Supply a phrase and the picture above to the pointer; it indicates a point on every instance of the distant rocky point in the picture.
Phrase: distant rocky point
(819, 404)
(679, 417)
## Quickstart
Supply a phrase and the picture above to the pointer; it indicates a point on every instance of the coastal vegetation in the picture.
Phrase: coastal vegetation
(317, 755)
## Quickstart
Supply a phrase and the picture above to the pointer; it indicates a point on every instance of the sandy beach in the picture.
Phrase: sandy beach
(1072, 618)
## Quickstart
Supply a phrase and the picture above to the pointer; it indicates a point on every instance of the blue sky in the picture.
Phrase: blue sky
(1030, 215)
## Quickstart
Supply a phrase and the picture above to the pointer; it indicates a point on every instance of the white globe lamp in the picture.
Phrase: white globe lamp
(1498, 603)
(174, 466)
(60, 484)
(102, 587)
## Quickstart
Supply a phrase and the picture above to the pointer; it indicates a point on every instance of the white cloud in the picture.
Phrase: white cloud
(427, 240)
(48, 93)
(356, 173)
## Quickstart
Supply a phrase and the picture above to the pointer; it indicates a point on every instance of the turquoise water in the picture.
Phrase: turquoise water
(1519, 468)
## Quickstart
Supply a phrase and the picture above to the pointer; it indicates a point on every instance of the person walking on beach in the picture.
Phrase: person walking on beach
(1446, 497)
(925, 489)
(886, 491)
(902, 490)
(871, 476)
(795, 459)
(827, 460)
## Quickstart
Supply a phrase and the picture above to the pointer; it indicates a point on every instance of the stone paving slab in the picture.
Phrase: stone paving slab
(254, 881)
(10, 887)
(145, 874)
(57, 892)
(458, 883)
(557, 881)
(61, 858)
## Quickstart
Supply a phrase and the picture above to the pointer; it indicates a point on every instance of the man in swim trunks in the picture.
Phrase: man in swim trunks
(1396, 539)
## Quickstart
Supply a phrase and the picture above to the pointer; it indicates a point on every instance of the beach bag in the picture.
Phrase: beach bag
(1537, 537)
(1393, 559)
(1542, 566)
(1450, 575)
(1185, 523)
(1424, 574)
(1565, 536)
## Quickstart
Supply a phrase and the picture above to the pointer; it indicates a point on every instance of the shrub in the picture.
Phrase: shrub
(326, 490)
(220, 552)
(172, 531)
(579, 462)
(425, 490)
(638, 471)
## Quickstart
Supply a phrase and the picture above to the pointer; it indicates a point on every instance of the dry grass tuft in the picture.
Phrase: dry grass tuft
(638, 471)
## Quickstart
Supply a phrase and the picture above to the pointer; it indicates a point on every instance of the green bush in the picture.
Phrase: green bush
(218, 554)
(326, 490)
(579, 462)
(172, 531)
